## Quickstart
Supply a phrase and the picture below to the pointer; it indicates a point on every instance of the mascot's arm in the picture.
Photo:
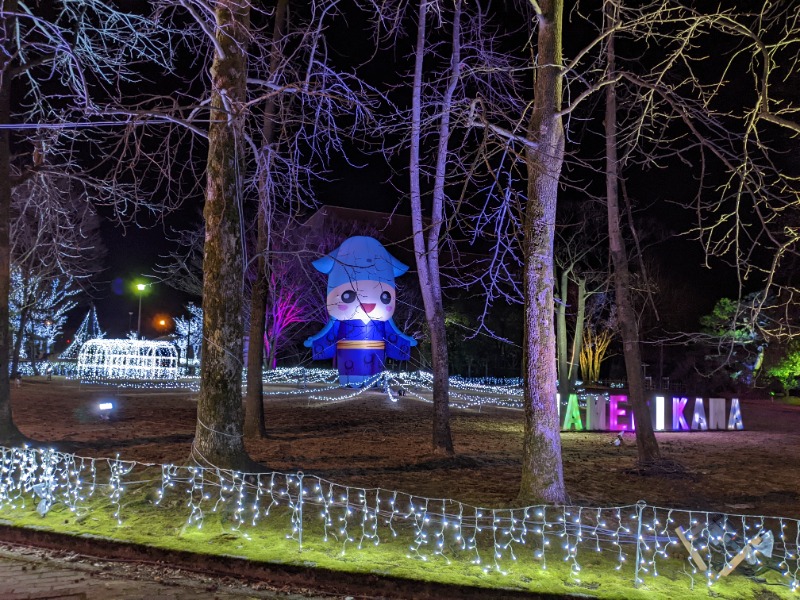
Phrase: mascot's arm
(398, 344)
(323, 344)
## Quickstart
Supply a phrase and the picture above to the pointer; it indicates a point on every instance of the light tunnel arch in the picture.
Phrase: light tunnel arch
(127, 359)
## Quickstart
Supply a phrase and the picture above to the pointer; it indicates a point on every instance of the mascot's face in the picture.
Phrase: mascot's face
(364, 300)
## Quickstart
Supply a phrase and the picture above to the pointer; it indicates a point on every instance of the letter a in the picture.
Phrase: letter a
(735, 417)
(573, 414)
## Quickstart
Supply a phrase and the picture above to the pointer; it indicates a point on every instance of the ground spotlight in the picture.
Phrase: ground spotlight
(105, 408)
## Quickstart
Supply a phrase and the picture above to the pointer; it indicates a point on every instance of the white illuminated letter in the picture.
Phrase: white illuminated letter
(716, 413)
(659, 413)
(596, 412)
(735, 417)
(699, 415)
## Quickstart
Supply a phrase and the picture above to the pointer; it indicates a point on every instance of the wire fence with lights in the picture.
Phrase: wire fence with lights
(639, 542)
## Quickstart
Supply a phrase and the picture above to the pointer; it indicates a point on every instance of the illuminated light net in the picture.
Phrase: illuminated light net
(637, 542)
(127, 359)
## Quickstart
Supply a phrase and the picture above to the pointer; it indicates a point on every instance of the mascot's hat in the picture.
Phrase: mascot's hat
(359, 258)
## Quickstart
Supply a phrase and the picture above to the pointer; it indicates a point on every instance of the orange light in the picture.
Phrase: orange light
(161, 322)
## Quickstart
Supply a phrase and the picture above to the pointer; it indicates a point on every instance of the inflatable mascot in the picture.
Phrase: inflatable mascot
(361, 302)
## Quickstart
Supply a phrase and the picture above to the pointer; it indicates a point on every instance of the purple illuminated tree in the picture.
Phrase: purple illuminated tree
(288, 307)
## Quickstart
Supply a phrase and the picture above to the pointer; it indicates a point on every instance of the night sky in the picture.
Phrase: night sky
(134, 251)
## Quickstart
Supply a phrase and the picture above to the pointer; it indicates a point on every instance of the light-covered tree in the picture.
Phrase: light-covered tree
(189, 331)
(598, 333)
(69, 60)
(38, 310)
(55, 251)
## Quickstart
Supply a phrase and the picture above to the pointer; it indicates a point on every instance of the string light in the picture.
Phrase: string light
(127, 359)
(88, 329)
(323, 385)
(505, 541)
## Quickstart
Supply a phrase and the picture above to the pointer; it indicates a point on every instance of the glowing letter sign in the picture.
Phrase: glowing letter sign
(678, 420)
(615, 411)
(573, 414)
(595, 412)
(659, 413)
(735, 418)
(666, 416)
(699, 415)
(716, 413)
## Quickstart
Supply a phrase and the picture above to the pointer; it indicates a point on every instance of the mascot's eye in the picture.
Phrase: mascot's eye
(348, 297)
(386, 297)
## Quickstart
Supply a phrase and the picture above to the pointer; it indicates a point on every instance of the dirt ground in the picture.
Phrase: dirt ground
(370, 441)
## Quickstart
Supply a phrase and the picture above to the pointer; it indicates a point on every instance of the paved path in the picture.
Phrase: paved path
(33, 574)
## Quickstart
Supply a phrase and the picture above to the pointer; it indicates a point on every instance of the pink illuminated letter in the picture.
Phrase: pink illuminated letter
(615, 412)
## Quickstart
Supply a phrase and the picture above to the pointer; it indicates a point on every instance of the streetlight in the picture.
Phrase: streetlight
(141, 287)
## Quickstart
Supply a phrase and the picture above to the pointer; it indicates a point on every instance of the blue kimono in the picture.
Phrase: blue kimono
(361, 333)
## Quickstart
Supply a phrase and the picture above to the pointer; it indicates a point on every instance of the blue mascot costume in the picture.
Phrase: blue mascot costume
(361, 302)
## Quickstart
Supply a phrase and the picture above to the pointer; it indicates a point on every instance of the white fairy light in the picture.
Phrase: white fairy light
(127, 359)
(516, 538)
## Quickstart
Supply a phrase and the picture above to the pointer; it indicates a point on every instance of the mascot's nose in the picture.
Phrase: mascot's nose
(368, 308)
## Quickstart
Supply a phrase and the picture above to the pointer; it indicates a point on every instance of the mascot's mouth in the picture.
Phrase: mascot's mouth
(368, 308)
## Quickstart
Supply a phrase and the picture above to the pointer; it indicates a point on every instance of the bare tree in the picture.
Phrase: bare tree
(308, 108)
(427, 240)
(542, 471)
(646, 443)
(9, 434)
(66, 59)
(254, 398)
(454, 53)
(55, 245)
(676, 109)
(288, 114)
(182, 267)
(580, 259)
(522, 223)
(218, 436)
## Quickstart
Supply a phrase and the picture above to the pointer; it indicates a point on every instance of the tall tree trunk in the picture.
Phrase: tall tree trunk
(9, 434)
(218, 437)
(442, 438)
(646, 443)
(34, 365)
(17, 352)
(577, 341)
(273, 350)
(561, 338)
(542, 471)
(426, 246)
(254, 426)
